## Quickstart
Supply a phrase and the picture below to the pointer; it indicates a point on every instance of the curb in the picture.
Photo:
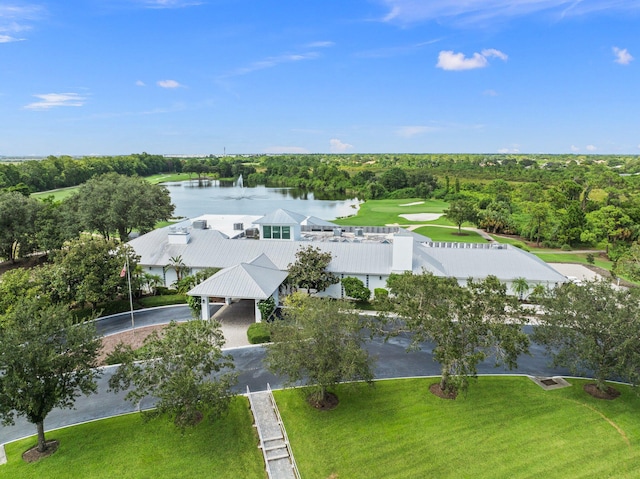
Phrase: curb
(3, 455)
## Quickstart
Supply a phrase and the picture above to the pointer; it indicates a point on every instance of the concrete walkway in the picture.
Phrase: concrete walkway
(274, 443)
(234, 320)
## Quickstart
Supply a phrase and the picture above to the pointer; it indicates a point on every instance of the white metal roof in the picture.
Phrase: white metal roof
(245, 280)
(210, 248)
(281, 217)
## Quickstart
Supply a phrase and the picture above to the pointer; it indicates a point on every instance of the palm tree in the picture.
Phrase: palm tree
(178, 266)
(520, 287)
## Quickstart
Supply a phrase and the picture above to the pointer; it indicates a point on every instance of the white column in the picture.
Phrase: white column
(204, 307)
(257, 310)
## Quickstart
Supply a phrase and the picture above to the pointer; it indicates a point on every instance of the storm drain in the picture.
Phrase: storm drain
(548, 383)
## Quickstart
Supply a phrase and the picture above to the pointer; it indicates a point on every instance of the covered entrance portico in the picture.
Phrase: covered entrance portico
(258, 280)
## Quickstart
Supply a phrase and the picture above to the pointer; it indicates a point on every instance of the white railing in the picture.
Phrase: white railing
(260, 436)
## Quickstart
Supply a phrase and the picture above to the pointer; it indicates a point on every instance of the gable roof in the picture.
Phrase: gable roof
(255, 280)
(281, 217)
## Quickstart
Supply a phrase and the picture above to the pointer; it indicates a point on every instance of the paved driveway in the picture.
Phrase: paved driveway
(392, 361)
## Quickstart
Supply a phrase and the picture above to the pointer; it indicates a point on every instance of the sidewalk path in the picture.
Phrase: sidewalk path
(274, 443)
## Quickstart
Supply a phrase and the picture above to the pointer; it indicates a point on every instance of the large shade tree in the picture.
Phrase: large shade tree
(46, 361)
(87, 270)
(592, 328)
(184, 368)
(18, 215)
(309, 271)
(114, 203)
(319, 342)
(467, 324)
(461, 211)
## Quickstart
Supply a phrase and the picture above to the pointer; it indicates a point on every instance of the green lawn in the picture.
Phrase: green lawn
(382, 212)
(503, 428)
(125, 447)
(63, 193)
(437, 233)
(58, 195)
(165, 177)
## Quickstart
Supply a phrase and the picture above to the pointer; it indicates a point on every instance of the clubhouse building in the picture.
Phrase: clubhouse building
(254, 253)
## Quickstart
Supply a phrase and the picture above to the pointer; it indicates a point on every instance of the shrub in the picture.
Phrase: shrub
(591, 258)
(267, 307)
(566, 247)
(160, 290)
(259, 333)
(355, 288)
(380, 294)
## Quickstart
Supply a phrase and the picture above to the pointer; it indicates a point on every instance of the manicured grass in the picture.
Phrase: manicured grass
(58, 195)
(125, 447)
(503, 428)
(581, 258)
(382, 212)
(62, 193)
(165, 177)
(437, 233)
(162, 300)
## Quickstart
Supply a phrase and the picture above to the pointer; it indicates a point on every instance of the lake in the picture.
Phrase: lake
(192, 200)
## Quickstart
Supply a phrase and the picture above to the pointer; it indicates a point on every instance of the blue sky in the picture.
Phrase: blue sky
(85, 77)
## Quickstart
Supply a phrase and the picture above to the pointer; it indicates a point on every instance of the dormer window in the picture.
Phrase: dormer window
(276, 232)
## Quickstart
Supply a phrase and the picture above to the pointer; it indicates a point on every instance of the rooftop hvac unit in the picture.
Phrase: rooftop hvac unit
(199, 225)
(238, 226)
(253, 233)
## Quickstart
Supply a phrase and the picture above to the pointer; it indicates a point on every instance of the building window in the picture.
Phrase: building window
(286, 232)
(275, 232)
(266, 232)
(367, 285)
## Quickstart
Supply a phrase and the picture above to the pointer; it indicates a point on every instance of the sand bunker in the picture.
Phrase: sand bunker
(421, 216)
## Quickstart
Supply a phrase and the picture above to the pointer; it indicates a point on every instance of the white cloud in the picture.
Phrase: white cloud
(140, 83)
(337, 146)
(474, 12)
(448, 60)
(574, 148)
(51, 100)
(490, 92)
(514, 149)
(411, 131)
(623, 57)
(325, 44)
(492, 52)
(271, 62)
(8, 39)
(170, 3)
(17, 18)
(591, 148)
(168, 84)
(286, 149)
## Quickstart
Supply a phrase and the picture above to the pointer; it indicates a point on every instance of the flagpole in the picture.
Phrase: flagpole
(133, 325)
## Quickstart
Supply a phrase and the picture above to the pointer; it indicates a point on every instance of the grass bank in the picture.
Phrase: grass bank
(382, 212)
(438, 233)
(503, 428)
(125, 447)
